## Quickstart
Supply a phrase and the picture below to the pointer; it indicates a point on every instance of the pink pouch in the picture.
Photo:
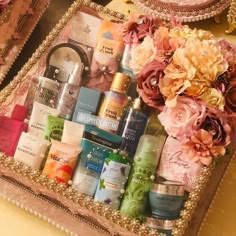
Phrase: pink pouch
(175, 166)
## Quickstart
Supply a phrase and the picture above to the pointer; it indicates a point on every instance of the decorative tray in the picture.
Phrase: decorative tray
(74, 212)
(17, 21)
(165, 12)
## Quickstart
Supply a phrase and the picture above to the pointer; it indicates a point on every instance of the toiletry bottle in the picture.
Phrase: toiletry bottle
(47, 87)
(11, 129)
(116, 99)
(142, 174)
(112, 181)
(132, 127)
(68, 94)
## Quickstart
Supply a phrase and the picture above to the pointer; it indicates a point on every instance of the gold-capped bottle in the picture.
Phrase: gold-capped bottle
(116, 99)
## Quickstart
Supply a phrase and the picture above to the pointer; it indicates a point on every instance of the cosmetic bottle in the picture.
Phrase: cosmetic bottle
(142, 175)
(11, 129)
(132, 127)
(162, 226)
(166, 199)
(47, 87)
(112, 181)
(68, 94)
(96, 145)
(116, 99)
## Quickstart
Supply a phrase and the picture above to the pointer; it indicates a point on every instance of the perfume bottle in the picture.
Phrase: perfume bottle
(142, 175)
(11, 129)
(132, 127)
(68, 94)
(116, 99)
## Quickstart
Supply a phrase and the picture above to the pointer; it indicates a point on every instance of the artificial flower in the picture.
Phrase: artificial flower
(142, 55)
(201, 148)
(4, 3)
(147, 84)
(230, 97)
(178, 75)
(137, 28)
(184, 119)
(218, 127)
(213, 98)
(206, 57)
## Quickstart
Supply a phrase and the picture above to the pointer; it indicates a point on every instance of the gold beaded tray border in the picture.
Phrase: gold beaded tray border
(79, 207)
(25, 27)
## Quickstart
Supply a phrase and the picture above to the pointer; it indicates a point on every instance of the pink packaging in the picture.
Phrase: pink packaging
(176, 166)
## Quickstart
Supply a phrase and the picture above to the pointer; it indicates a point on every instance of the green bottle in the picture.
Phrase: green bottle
(142, 175)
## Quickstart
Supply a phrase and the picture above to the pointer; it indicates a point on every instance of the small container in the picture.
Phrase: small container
(166, 199)
(162, 226)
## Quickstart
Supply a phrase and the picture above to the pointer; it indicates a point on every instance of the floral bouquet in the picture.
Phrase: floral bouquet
(190, 76)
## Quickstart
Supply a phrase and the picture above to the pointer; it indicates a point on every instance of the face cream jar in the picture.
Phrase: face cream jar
(162, 226)
(166, 199)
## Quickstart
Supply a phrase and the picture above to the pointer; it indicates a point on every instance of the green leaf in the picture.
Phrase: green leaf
(102, 184)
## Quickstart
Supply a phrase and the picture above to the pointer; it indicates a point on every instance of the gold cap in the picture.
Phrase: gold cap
(120, 83)
(137, 104)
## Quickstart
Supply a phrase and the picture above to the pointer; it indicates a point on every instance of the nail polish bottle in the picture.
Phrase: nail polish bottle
(11, 129)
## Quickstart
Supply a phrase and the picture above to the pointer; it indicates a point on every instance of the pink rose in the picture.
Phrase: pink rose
(142, 55)
(184, 119)
(136, 29)
(147, 82)
(4, 3)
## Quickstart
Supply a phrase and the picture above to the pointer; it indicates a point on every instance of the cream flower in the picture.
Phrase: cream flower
(142, 55)
(213, 98)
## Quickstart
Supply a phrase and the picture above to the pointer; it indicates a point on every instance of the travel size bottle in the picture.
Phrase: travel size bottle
(142, 174)
(11, 129)
(132, 127)
(68, 94)
(116, 99)
(47, 87)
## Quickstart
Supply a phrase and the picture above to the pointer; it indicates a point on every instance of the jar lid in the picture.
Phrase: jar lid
(156, 223)
(120, 83)
(169, 188)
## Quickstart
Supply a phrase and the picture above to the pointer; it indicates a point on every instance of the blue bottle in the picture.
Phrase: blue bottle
(132, 127)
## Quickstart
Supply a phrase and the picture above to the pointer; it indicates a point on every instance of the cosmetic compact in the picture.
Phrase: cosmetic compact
(166, 199)
(162, 226)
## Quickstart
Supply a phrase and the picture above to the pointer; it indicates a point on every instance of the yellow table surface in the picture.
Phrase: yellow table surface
(219, 220)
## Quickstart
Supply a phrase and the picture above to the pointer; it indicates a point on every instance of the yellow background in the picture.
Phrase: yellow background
(219, 220)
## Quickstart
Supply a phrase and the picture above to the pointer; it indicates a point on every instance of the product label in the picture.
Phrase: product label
(85, 118)
(112, 181)
(176, 166)
(108, 47)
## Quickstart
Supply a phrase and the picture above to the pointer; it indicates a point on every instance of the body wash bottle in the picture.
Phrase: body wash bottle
(141, 177)
(116, 99)
(132, 127)
(11, 129)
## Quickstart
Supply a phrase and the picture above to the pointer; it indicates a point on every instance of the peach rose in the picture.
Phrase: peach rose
(200, 148)
(184, 119)
(142, 55)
